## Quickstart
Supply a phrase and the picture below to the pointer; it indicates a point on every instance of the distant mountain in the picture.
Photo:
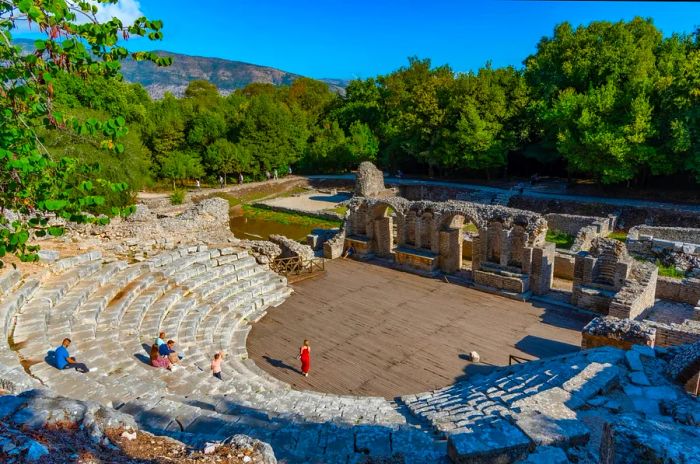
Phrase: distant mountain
(227, 75)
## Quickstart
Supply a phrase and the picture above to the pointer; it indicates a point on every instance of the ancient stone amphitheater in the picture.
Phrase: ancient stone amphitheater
(599, 405)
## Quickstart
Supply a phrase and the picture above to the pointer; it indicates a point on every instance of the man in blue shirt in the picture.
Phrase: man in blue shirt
(65, 361)
(167, 350)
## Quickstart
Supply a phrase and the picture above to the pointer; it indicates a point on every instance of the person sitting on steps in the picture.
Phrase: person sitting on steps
(216, 365)
(157, 360)
(160, 340)
(168, 350)
(65, 361)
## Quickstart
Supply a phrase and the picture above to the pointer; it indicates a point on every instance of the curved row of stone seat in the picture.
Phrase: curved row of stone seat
(293, 440)
(92, 303)
(15, 291)
(93, 329)
(205, 299)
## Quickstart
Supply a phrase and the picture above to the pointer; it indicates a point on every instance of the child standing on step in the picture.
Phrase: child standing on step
(216, 365)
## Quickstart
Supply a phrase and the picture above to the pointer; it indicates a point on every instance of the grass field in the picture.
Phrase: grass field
(560, 239)
(288, 218)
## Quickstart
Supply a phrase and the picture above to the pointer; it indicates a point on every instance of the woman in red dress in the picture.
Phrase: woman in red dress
(305, 356)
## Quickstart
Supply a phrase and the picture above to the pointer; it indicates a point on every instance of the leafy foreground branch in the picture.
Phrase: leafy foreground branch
(35, 186)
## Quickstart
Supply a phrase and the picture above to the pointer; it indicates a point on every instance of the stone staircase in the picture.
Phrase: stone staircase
(205, 299)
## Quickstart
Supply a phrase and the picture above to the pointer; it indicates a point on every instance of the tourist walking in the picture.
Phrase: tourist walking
(65, 361)
(157, 360)
(221, 182)
(216, 365)
(289, 171)
(267, 174)
(274, 173)
(240, 177)
(305, 357)
(199, 186)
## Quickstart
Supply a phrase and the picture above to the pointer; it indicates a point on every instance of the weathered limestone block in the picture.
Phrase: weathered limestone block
(560, 429)
(498, 442)
(631, 441)
(685, 364)
(547, 454)
(620, 333)
(291, 248)
(595, 378)
(333, 248)
(370, 180)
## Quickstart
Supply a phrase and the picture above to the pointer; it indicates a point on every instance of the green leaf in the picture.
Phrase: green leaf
(55, 205)
(55, 231)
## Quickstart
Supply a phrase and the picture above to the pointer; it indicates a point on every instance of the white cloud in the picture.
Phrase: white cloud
(126, 10)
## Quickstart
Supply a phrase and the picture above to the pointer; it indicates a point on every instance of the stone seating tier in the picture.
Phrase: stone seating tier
(205, 300)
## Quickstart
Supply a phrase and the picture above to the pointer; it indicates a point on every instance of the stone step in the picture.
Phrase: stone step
(80, 293)
(90, 311)
(9, 280)
(15, 300)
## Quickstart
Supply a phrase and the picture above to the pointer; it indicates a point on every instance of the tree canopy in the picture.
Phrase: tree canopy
(35, 183)
(613, 102)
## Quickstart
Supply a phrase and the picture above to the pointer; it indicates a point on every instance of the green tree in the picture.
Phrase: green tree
(415, 100)
(224, 157)
(485, 118)
(180, 165)
(592, 88)
(32, 182)
(361, 143)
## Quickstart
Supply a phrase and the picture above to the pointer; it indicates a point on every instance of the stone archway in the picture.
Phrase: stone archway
(384, 236)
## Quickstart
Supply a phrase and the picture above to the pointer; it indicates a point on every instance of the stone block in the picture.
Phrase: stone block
(547, 455)
(546, 430)
(594, 379)
(639, 378)
(644, 350)
(633, 360)
(373, 441)
(498, 442)
(48, 256)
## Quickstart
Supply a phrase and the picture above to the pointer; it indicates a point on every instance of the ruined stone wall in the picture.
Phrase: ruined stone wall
(637, 294)
(623, 333)
(620, 333)
(147, 230)
(675, 334)
(681, 290)
(564, 264)
(572, 223)
(673, 234)
(628, 216)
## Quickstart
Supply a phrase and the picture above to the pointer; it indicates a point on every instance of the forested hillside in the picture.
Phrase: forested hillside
(613, 102)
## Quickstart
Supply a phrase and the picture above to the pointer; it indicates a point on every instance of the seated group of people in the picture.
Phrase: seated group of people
(163, 353)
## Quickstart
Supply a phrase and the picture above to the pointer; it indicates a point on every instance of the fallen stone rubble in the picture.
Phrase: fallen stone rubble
(594, 406)
(37, 426)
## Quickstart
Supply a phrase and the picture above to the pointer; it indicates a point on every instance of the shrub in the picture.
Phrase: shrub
(669, 271)
(177, 197)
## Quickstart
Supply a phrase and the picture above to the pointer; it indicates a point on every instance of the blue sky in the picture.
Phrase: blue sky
(347, 39)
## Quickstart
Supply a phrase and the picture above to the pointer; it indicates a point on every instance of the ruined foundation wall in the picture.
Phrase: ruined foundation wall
(572, 223)
(681, 290)
(674, 234)
(637, 294)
